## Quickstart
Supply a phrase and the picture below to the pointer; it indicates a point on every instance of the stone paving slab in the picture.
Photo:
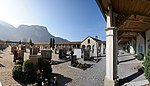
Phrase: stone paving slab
(137, 83)
(126, 70)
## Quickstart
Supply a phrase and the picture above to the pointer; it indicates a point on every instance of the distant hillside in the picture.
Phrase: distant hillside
(25, 32)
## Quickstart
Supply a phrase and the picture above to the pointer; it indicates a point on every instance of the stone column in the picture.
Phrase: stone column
(132, 49)
(111, 56)
(102, 49)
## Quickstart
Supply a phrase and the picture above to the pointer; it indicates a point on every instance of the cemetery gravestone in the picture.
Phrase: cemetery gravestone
(62, 54)
(77, 52)
(34, 58)
(34, 51)
(18, 55)
(23, 48)
(86, 55)
(73, 58)
(46, 54)
(13, 48)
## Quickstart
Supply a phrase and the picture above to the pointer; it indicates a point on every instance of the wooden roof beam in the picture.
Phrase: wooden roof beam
(138, 21)
(137, 13)
(120, 19)
(131, 30)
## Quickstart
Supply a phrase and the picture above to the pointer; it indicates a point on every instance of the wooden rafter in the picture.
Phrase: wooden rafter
(120, 19)
(138, 21)
(127, 35)
(132, 30)
(132, 17)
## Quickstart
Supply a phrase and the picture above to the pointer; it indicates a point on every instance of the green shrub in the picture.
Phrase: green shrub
(46, 67)
(17, 72)
(29, 70)
(140, 56)
(82, 66)
(146, 64)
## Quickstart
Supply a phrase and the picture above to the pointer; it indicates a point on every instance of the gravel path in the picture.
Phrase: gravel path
(76, 77)
(6, 66)
(6, 63)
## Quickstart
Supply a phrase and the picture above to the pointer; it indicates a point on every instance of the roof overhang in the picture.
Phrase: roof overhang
(130, 16)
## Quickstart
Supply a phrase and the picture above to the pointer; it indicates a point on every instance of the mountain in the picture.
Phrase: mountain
(7, 31)
(25, 32)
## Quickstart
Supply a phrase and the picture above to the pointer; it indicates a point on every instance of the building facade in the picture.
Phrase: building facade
(95, 46)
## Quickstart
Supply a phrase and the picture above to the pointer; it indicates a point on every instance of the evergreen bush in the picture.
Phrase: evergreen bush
(46, 67)
(30, 71)
(140, 56)
(146, 64)
(17, 71)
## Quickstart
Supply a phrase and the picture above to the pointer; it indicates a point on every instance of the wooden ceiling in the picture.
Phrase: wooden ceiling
(132, 17)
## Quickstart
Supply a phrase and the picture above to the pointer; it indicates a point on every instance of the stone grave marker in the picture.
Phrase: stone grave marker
(34, 50)
(34, 58)
(46, 54)
(13, 48)
(18, 55)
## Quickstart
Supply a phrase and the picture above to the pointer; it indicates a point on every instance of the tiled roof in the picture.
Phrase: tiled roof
(60, 43)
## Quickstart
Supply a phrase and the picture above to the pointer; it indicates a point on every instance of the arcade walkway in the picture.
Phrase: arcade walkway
(129, 69)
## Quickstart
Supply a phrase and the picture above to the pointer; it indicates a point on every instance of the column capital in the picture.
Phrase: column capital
(110, 31)
(111, 28)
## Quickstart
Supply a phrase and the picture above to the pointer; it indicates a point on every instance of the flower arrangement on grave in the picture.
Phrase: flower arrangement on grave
(39, 76)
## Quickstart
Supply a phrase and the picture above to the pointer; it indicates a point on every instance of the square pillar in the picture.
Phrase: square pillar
(102, 49)
(111, 56)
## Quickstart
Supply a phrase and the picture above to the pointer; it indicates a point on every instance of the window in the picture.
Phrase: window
(88, 41)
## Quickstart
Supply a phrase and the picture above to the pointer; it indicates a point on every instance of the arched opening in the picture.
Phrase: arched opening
(83, 46)
(88, 47)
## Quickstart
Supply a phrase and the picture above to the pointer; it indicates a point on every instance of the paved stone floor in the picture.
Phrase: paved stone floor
(76, 77)
(126, 69)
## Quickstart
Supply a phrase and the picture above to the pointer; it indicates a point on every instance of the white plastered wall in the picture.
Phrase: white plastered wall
(140, 45)
(147, 40)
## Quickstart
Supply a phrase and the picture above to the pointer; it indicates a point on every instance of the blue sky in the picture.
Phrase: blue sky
(70, 19)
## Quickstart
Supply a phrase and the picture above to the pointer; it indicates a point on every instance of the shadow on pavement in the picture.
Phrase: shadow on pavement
(59, 62)
(127, 60)
(125, 55)
(131, 77)
(21, 83)
(1, 65)
(61, 79)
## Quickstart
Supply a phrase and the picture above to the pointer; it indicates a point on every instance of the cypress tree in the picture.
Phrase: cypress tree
(51, 42)
(53, 45)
